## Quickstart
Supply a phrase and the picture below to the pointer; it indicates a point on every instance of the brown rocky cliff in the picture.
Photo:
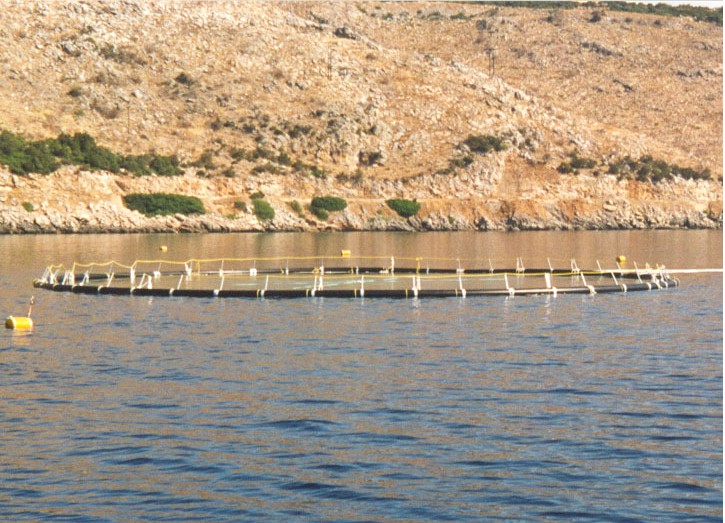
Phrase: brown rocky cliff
(366, 101)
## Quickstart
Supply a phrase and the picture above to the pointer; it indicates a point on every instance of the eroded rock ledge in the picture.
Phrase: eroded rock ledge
(75, 201)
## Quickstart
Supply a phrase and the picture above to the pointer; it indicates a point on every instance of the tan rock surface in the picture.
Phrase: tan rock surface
(378, 97)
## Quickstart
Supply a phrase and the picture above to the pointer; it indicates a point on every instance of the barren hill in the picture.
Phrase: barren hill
(367, 101)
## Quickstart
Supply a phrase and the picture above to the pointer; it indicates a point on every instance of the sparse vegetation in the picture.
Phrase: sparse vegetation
(297, 208)
(28, 206)
(162, 204)
(370, 158)
(648, 169)
(596, 17)
(357, 178)
(576, 163)
(266, 168)
(485, 144)
(121, 55)
(184, 79)
(706, 14)
(45, 156)
(205, 161)
(307, 169)
(456, 163)
(404, 208)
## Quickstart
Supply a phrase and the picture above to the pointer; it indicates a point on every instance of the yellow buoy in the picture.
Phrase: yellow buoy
(21, 323)
(163, 248)
(18, 323)
(345, 253)
(621, 259)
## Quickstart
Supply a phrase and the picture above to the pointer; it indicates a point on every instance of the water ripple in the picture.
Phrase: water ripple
(526, 410)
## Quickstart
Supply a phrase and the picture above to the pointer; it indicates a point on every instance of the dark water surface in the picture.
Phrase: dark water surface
(575, 408)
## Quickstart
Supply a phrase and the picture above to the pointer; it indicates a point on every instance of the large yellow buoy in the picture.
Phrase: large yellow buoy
(18, 323)
(621, 259)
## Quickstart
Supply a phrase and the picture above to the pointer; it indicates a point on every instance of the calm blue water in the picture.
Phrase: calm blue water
(575, 408)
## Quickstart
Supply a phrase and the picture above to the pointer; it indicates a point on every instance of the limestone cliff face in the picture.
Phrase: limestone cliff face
(365, 101)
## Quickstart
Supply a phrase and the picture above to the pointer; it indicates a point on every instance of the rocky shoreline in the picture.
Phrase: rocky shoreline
(603, 206)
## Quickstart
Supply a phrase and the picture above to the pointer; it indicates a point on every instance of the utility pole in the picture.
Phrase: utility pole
(488, 35)
(128, 121)
(491, 51)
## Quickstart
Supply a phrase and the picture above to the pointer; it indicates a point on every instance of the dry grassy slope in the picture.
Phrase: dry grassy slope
(403, 85)
(639, 83)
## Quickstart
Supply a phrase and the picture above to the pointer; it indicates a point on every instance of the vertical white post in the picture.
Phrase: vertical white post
(520, 265)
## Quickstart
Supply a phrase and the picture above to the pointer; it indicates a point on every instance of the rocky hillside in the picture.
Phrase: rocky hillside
(491, 117)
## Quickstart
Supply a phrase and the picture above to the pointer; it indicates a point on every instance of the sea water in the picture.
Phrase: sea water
(573, 408)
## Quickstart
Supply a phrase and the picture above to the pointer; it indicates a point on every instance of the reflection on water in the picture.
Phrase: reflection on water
(675, 249)
(589, 408)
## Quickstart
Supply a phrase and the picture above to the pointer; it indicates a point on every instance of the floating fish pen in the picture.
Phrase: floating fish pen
(347, 277)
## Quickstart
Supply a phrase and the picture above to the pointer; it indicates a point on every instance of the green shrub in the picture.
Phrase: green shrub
(582, 163)
(404, 208)
(165, 165)
(164, 204)
(297, 208)
(28, 206)
(184, 79)
(322, 206)
(565, 168)
(648, 169)
(284, 159)
(299, 130)
(575, 163)
(258, 195)
(329, 203)
(262, 152)
(485, 144)
(238, 154)
(262, 209)
(266, 168)
(23, 157)
(318, 173)
(305, 168)
(321, 213)
(206, 161)
(45, 156)
(240, 206)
